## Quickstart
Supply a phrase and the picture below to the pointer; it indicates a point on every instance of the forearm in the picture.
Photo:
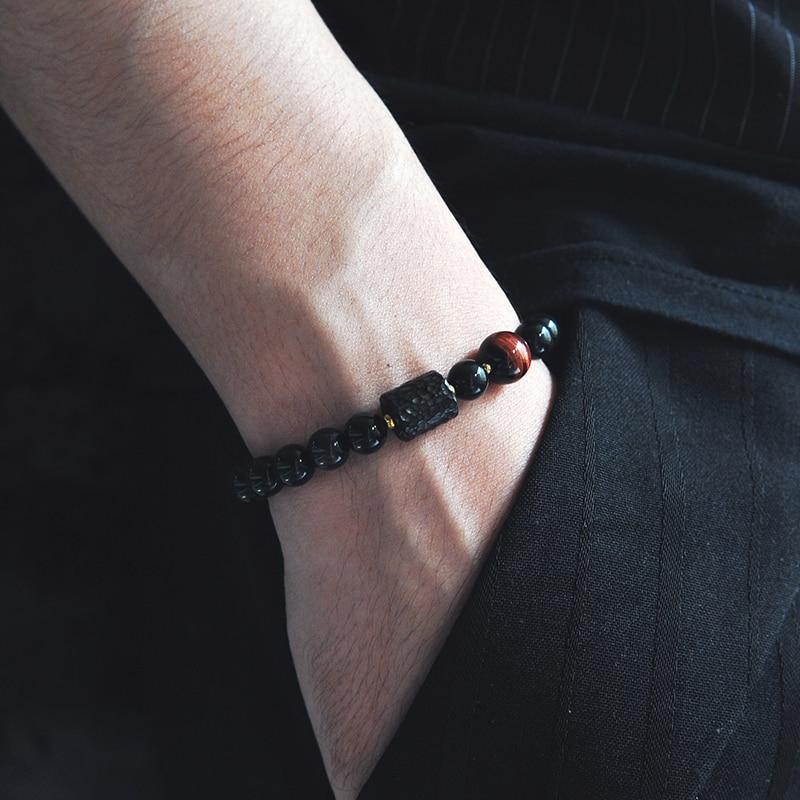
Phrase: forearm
(230, 155)
(155, 114)
(265, 199)
(248, 177)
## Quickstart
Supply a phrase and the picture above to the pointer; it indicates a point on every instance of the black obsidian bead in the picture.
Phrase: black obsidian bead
(294, 465)
(468, 379)
(507, 355)
(366, 432)
(419, 405)
(242, 488)
(540, 334)
(328, 448)
(264, 479)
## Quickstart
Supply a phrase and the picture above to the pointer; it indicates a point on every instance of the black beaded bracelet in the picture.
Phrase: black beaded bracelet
(409, 410)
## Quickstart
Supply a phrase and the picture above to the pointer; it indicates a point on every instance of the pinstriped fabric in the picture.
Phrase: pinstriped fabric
(786, 754)
(777, 690)
(680, 57)
(565, 49)
(715, 80)
(458, 28)
(601, 67)
(488, 52)
(520, 72)
(751, 82)
(722, 70)
(422, 34)
(792, 57)
(642, 59)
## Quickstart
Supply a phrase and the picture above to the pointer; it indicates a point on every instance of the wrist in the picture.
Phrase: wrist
(379, 556)
(307, 331)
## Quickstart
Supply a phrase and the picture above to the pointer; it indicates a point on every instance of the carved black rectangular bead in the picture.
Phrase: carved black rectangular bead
(419, 405)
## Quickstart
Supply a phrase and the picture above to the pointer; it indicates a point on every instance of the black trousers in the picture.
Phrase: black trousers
(635, 631)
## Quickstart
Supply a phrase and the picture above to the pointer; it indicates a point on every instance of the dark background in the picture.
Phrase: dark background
(142, 642)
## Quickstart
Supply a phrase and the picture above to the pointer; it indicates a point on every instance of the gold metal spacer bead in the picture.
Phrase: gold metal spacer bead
(390, 423)
(488, 368)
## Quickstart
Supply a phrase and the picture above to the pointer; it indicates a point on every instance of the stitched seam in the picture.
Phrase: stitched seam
(782, 722)
(747, 403)
(796, 758)
(567, 688)
(710, 767)
(647, 744)
(657, 749)
(679, 621)
(785, 762)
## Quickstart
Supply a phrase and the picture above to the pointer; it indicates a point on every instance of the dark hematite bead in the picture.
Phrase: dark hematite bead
(419, 405)
(540, 334)
(294, 465)
(366, 432)
(507, 354)
(242, 488)
(328, 448)
(264, 478)
(468, 379)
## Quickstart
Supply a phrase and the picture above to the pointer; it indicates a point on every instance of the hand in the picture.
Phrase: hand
(262, 195)
(379, 554)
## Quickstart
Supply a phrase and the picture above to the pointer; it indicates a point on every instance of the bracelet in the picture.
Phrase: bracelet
(409, 410)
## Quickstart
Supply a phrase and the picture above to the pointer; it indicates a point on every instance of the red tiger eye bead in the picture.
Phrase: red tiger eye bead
(507, 354)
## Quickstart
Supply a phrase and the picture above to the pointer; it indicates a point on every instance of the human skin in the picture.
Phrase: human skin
(264, 198)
